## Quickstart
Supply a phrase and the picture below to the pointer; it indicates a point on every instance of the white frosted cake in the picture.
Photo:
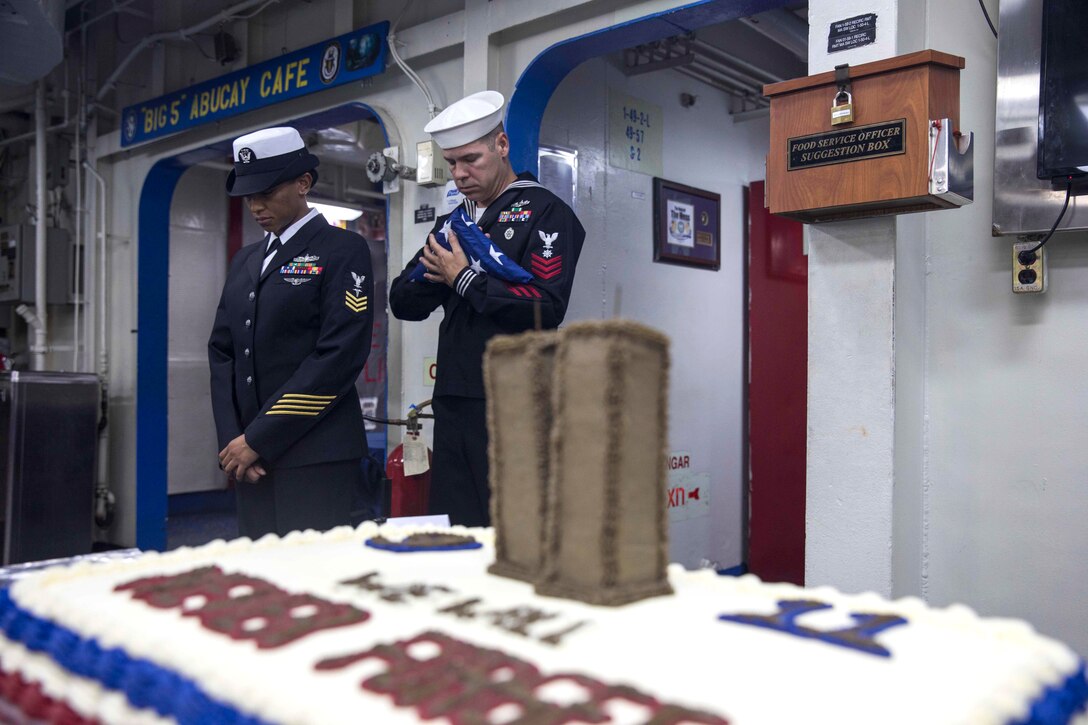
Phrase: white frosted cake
(324, 628)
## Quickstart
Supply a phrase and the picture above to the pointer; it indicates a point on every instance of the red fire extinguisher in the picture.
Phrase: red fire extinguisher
(408, 495)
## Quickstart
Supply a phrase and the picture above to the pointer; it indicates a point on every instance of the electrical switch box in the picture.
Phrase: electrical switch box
(17, 265)
(430, 166)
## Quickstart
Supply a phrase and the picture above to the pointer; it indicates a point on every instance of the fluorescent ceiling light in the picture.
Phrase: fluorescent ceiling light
(335, 212)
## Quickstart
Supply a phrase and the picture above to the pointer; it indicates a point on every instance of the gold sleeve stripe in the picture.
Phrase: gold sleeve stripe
(304, 395)
(289, 412)
(288, 406)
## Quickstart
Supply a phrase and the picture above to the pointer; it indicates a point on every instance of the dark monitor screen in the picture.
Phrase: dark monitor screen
(1063, 90)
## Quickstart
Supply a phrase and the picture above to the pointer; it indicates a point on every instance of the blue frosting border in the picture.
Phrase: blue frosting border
(1059, 703)
(145, 684)
(410, 549)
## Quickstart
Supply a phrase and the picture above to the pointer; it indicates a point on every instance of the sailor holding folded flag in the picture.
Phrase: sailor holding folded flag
(511, 247)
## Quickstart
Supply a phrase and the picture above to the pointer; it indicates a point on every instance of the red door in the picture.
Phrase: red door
(777, 386)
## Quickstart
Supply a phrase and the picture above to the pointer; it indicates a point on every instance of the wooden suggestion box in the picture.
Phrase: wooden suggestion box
(867, 140)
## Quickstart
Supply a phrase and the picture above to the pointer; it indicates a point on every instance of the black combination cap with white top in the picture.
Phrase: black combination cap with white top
(265, 159)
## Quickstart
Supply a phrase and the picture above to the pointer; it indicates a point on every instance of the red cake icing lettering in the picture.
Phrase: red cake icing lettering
(243, 607)
(440, 676)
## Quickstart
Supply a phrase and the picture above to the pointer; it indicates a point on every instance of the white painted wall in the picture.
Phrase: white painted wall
(198, 242)
(989, 496)
(1007, 396)
(702, 311)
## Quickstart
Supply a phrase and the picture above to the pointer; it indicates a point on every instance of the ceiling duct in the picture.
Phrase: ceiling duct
(737, 78)
(659, 55)
(33, 42)
(784, 28)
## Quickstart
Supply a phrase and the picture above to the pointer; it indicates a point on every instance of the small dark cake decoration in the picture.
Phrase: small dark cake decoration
(425, 542)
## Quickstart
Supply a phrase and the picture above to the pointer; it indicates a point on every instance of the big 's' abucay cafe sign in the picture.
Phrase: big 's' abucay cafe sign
(343, 59)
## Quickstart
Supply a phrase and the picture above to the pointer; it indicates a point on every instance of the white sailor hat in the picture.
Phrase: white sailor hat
(266, 158)
(466, 120)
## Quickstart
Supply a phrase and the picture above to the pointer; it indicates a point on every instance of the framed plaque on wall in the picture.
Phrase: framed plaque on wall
(687, 225)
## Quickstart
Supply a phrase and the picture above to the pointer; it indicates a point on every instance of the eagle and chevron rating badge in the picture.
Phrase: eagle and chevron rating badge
(355, 300)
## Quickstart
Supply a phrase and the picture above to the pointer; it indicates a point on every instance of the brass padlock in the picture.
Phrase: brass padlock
(842, 108)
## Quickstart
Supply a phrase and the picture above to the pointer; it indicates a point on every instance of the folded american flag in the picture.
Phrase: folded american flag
(483, 256)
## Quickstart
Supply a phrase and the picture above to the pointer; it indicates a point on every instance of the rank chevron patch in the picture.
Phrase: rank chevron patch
(355, 303)
(546, 268)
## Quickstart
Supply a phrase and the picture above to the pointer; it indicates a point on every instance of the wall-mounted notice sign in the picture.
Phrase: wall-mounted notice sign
(852, 33)
(688, 493)
(425, 213)
(343, 59)
(634, 134)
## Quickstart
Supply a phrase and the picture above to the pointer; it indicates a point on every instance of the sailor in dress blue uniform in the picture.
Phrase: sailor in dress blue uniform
(291, 335)
(531, 229)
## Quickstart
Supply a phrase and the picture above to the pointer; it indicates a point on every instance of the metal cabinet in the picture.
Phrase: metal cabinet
(48, 446)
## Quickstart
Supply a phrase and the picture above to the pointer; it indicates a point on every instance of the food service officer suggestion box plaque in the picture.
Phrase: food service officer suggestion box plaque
(872, 139)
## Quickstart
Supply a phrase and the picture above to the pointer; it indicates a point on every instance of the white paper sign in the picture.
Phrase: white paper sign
(688, 492)
(635, 130)
(415, 455)
(440, 520)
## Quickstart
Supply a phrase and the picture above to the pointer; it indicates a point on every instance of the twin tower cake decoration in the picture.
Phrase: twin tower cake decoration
(578, 421)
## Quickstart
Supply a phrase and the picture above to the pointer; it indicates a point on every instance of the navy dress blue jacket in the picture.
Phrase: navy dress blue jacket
(287, 346)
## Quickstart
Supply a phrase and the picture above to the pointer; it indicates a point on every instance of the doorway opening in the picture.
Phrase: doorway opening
(188, 230)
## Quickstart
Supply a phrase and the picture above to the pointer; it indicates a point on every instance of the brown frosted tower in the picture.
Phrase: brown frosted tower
(606, 532)
(518, 378)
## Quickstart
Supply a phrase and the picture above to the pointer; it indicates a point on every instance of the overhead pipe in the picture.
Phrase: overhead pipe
(91, 276)
(713, 83)
(183, 34)
(104, 498)
(17, 103)
(39, 348)
(100, 316)
(115, 8)
(79, 258)
(754, 72)
(727, 75)
(34, 134)
(782, 27)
